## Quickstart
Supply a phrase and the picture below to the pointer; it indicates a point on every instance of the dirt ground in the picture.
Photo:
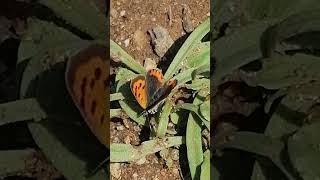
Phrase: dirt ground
(130, 21)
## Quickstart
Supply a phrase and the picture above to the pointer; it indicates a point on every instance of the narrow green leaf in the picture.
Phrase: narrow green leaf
(13, 162)
(205, 167)
(127, 152)
(194, 143)
(192, 40)
(29, 109)
(116, 97)
(164, 119)
(119, 55)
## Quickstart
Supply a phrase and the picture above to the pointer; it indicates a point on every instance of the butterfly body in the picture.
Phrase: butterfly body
(150, 90)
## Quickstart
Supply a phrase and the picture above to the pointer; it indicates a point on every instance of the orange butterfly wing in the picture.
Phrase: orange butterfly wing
(87, 83)
(138, 89)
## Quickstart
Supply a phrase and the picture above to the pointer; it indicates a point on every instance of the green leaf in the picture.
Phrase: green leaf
(116, 97)
(281, 71)
(13, 162)
(59, 143)
(115, 113)
(164, 119)
(127, 152)
(238, 49)
(194, 143)
(205, 167)
(258, 144)
(29, 109)
(194, 38)
(266, 9)
(195, 109)
(117, 54)
(81, 14)
(303, 148)
(205, 110)
(42, 36)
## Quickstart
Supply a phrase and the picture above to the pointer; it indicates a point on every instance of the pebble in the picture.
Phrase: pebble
(120, 128)
(122, 13)
(139, 39)
(127, 140)
(113, 13)
(135, 176)
(126, 42)
(115, 170)
(161, 40)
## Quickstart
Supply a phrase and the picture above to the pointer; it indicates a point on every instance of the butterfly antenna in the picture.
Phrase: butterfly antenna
(99, 166)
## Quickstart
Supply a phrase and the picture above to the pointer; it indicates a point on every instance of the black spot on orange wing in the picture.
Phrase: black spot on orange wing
(83, 85)
(93, 106)
(92, 83)
(82, 102)
(97, 73)
(102, 119)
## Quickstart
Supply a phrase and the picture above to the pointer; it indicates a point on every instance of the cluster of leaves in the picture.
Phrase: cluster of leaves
(273, 45)
(43, 103)
(190, 67)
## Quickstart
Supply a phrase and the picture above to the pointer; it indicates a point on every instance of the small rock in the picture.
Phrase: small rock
(137, 128)
(139, 39)
(135, 176)
(141, 161)
(127, 140)
(153, 19)
(126, 42)
(160, 40)
(122, 13)
(120, 128)
(118, 3)
(186, 20)
(113, 13)
(149, 64)
(115, 170)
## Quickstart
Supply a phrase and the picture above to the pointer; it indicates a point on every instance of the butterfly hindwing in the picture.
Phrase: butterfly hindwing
(155, 81)
(161, 93)
(138, 88)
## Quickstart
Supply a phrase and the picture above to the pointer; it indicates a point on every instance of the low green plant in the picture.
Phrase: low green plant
(191, 68)
(277, 51)
(43, 104)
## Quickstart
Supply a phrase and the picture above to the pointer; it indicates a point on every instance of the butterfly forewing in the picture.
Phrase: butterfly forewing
(138, 89)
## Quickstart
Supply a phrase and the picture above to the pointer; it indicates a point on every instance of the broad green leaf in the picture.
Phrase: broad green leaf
(82, 14)
(303, 148)
(42, 36)
(259, 144)
(238, 49)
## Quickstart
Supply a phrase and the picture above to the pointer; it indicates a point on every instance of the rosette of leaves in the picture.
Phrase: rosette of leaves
(191, 68)
(44, 105)
(276, 48)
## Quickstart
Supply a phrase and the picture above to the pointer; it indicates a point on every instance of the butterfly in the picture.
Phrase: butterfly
(86, 79)
(150, 90)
